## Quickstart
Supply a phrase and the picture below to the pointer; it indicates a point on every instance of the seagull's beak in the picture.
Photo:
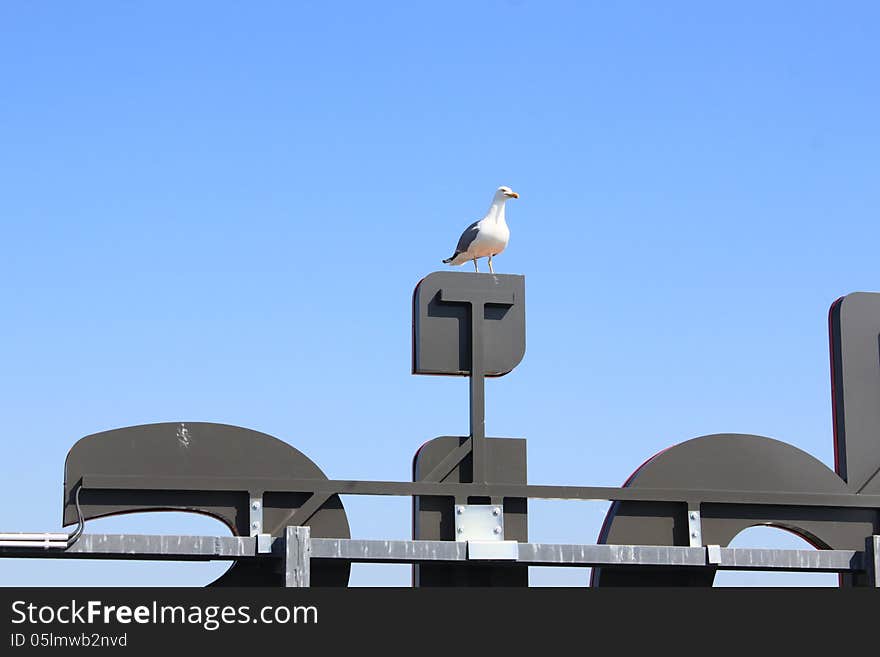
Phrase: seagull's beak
(511, 194)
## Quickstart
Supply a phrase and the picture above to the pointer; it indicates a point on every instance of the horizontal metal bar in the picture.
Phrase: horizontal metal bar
(831, 561)
(388, 551)
(448, 489)
(549, 554)
(546, 554)
(532, 554)
(145, 547)
(205, 548)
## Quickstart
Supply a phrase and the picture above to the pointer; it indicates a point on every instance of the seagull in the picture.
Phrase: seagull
(486, 237)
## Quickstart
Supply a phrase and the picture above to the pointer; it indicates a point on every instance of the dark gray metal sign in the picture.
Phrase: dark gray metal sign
(766, 466)
(449, 308)
(214, 469)
(672, 518)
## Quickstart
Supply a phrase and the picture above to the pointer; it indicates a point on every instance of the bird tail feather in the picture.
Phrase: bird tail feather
(448, 260)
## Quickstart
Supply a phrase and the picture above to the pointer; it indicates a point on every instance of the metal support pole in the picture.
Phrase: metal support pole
(478, 395)
(477, 300)
(297, 556)
(872, 560)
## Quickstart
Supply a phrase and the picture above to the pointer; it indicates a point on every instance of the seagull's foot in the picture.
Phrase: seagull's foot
(491, 271)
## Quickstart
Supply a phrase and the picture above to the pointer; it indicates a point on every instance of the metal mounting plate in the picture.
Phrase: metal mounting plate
(479, 522)
(493, 550)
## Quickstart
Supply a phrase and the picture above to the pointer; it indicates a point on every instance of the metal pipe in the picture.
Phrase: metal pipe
(41, 536)
(61, 545)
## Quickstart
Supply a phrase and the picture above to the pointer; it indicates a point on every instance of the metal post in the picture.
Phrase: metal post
(872, 560)
(478, 395)
(495, 346)
(477, 300)
(297, 556)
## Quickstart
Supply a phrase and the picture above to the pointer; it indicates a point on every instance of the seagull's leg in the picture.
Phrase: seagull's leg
(491, 271)
(476, 269)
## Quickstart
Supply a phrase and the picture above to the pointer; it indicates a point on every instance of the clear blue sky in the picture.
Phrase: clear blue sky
(210, 211)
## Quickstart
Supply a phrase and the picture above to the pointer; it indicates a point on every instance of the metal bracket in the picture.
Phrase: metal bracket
(695, 528)
(479, 522)
(255, 521)
(297, 556)
(493, 550)
(264, 543)
(713, 554)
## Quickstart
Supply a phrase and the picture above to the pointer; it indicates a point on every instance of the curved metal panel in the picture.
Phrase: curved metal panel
(727, 462)
(191, 453)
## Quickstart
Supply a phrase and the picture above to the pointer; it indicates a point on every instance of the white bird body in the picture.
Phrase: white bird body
(492, 236)
(487, 237)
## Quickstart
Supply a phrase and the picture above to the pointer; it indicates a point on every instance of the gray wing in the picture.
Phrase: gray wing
(468, 236)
